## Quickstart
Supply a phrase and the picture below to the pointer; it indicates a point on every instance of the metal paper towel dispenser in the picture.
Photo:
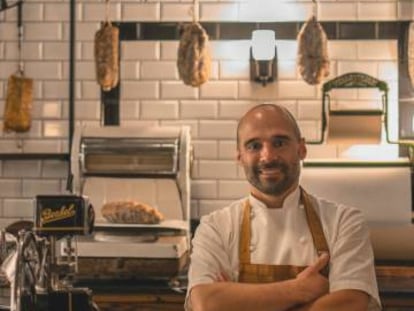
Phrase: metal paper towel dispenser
(353, 125)
(382, 193)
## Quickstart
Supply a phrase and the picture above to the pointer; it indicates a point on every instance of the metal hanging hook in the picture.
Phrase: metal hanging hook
(315, 8)
(20, 36)
(107, 20)
(193, 11)
(5, 6)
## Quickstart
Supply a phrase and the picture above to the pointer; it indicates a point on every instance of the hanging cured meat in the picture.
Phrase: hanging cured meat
(17, 112)
(106, 56)
(193, 59)
(18, 105)
(313, 61)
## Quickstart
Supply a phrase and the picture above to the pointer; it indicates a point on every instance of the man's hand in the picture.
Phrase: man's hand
(311, 284)
(223, 294)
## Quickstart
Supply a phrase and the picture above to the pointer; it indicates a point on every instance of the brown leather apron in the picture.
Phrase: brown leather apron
(261, 273)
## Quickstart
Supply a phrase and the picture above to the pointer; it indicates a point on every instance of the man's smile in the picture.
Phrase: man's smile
(269, 172)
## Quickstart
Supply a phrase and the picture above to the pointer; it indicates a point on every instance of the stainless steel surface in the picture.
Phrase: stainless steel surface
(383, 194)
(148, 164)
(33, 270)
(145, 164)
(132, 156)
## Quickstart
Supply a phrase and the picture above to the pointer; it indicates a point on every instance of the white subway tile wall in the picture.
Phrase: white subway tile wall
(176, 12)
(138, 50)
(97, 11)
(330, 11)
(198, 109)
(140, 11)
(269, 11)
(385, 11)
(152, 94)
(159, 70)
(178, 90)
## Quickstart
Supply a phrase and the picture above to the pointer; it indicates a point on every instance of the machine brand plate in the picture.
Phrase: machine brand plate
(60, 215)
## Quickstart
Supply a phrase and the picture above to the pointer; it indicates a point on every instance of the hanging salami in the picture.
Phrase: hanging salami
(18, 105)
(106, 50)
(313, 61)
(17, 112)
(193, 59)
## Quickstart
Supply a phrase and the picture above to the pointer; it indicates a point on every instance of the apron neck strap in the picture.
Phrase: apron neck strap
(312, 218)
(314, 223)
(245, 233)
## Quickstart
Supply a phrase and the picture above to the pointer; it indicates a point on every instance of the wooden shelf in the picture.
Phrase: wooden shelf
(35, 156)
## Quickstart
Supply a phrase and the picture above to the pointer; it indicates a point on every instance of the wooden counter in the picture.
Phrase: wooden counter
(142, 296)
(396, 287)
(139, 302)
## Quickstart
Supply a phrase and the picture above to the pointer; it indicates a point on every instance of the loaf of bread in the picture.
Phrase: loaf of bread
(106, 56)
(313, 61)
(131, 212)
(193, 59)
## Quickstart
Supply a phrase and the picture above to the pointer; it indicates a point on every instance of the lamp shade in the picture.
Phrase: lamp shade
(263, 44)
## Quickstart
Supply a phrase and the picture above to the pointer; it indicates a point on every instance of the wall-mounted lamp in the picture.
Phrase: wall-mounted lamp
(263, 56)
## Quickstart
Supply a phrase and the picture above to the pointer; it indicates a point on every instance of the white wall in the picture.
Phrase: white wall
(152, 93)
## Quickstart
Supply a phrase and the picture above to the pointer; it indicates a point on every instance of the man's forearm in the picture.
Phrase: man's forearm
(277, 296)
(342, 300)
(224, 296)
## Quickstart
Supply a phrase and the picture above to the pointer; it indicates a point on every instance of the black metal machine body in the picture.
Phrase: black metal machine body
(41, 280)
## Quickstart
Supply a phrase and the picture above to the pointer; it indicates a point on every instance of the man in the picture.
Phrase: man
(280, 248)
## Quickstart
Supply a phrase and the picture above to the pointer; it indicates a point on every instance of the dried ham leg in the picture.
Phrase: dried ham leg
(193, 59)
(106, 56)
(17, 112)
(313, 61)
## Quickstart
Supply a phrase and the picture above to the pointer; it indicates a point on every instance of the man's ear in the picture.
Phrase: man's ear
(238, 156)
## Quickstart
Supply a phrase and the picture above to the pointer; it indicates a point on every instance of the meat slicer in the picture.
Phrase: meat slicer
(148, 164)
(40, 280)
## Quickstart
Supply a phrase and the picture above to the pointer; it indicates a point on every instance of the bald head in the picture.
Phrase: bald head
(266, 109)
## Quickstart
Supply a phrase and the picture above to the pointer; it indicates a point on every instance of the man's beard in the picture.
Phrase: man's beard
(273, 186)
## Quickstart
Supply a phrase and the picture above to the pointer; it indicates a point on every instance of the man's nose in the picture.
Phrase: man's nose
(268, 152)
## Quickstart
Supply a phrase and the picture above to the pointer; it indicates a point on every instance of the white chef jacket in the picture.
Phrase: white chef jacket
(281, 236)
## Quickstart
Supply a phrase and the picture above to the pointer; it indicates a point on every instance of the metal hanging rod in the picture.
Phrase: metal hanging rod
(5, 6)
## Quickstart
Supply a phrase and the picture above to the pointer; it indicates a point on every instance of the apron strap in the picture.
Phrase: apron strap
(314, 223)
(312, 218)
(245, 233)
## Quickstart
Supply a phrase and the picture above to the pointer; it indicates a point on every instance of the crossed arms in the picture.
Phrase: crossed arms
(309, 291)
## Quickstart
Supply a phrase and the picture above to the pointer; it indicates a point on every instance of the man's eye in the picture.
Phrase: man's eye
(253, 146)
(279, 142)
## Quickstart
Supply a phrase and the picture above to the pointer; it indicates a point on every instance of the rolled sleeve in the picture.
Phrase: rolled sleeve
(352, 260)
(208, 256)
